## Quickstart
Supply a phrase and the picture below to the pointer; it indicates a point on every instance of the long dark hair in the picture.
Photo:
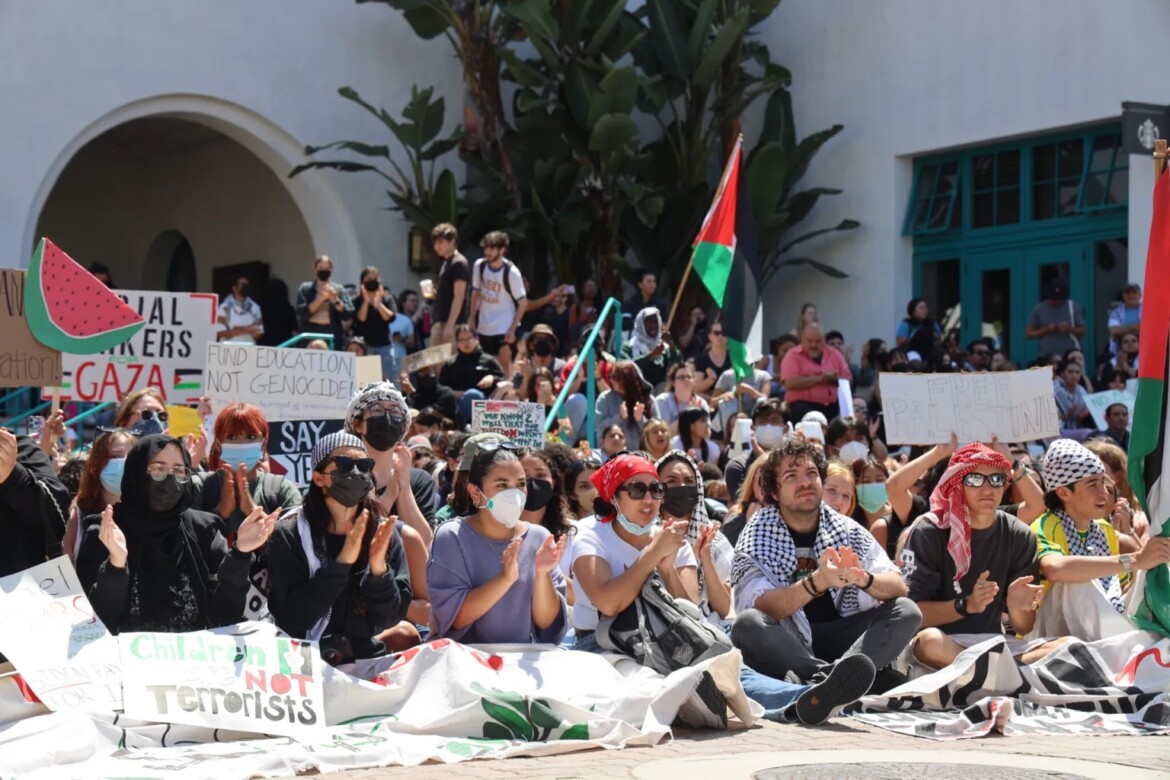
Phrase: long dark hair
(626, 379)
(556, 511)
(570, 484)
(317, 513)
(687, 418)
(481, 464)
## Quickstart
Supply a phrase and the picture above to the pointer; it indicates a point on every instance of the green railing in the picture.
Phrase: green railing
(614, 306)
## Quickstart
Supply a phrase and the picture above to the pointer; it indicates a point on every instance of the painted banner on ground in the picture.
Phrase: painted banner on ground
(520, 421)
(24, 361)
(60, 647)
(168, 354)
(1099, 403)
(290, 446)
(1016, 406)
(286, 384)
(256, 682)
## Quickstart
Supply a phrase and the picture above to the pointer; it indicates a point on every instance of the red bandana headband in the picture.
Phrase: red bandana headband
(948, 503)
(615, 473)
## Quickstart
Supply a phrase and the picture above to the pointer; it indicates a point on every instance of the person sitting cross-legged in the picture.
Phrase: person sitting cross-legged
(1087, 580)
(811, 586)
(967, 563)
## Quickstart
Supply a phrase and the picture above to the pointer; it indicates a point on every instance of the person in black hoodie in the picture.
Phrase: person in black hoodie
(337, 569)
(33, 504)
(472, 373)
(155, 564)
(425, 391)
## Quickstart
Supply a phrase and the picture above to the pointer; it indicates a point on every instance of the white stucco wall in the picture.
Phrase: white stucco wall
(67, 66)
(908, 77)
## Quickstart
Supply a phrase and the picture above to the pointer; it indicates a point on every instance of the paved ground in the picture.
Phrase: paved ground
(1151, 753)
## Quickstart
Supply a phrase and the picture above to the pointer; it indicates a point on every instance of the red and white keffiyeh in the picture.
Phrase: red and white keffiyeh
(948, 503)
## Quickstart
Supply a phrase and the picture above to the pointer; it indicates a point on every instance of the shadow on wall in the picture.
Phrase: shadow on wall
(169, 264)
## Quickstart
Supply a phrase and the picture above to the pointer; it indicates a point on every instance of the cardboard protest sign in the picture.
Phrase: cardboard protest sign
(184, 421)
(432, 356)
(290, 446)
(258, 683)
(168, 354)
(286, 384)
(1016, 406)
(369, 371)
(24, 361)
(1099, 403)
(57, 643)
(520, 421)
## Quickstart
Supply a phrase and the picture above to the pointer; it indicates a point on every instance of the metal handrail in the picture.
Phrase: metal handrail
(306, 337)
(614, 305)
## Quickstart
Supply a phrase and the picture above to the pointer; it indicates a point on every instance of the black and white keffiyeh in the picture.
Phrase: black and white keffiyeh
(765, 547)
(1094, 545)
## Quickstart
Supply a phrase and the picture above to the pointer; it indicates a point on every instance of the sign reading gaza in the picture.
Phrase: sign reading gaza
(1016, 406)
(168, 354)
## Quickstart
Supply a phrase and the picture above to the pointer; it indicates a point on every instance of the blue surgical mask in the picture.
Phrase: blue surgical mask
(872, 497)
(112, 475)
(246, 453)
(634, 528)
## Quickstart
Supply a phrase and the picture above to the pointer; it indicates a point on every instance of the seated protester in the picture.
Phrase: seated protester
(470, 446)
(680, 394)
(33, 504)
(840, 491)
(650, 348)
(655, 439)
(338, 570)
(749, 501)
(545, 505)
(812, 586)
(1126, 515)
(768, 430)
(155, 564)
(1086, 577)
(579, 488)
(873, 501)
(426, 392)
(471, 373)
(685, 501)
(101, 483)
(627, 403)
(967, 563)
(493, 578)
(1071, 401)
(730, 390)
(694, 436)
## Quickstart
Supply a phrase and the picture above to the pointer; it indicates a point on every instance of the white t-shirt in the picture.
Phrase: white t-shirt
(240, 315)
(601, 541)
(497, 308)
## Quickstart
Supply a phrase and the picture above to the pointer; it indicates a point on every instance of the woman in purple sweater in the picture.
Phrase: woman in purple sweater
(493, 578)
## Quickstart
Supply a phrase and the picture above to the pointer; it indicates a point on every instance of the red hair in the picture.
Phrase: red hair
(89, 493)
(236, 420)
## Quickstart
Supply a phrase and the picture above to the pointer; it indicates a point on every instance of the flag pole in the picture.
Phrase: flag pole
(690, 263)
(1159, 158)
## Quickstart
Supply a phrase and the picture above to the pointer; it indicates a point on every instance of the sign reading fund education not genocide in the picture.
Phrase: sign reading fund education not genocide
(168, 354)
(1016, 406)
(286, 384)
(290, 446)
(57, 643)
(520, 421)
(259, 683)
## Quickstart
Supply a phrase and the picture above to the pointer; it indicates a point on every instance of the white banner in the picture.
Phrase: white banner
(52, 636)
(1016, 406)
(286, 384)
(256, 682)
(520, 421)
(168, 354)
(1099, 403)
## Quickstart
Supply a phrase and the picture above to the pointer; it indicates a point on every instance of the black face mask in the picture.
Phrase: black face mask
(681, 500)
(372, 285)
(542, 348)
(382, 433)
(324, 275)
(164, 496)
(540, 492)
(425, 381)
(349, 489)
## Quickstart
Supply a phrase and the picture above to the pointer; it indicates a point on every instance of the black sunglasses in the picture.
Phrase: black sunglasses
(638, 490)
(975, 479)
(147, 414)
(346, 464)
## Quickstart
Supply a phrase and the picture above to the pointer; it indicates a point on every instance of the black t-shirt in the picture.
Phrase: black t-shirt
(895, 524)
(821, 609)
(704, 362)
(375, 330)
(733, 526)
(1007, 550)
(455, 269)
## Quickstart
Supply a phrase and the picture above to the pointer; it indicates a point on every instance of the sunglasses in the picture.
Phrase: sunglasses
(716, 333)
(382, 411)
(638, 490)
(346, 464)
(147, 414)
(975, 480)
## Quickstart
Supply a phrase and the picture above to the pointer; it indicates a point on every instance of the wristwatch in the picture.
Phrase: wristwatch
(1126, 562)
(961, 606)
(1017, 470)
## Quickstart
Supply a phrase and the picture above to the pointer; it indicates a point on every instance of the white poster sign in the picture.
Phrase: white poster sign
(520, 421)
(1099, 403)
(57, 643)
(290, 446)
(259, 683)
(286, 384)
(168, 354)
(845, 397)
(1016, 406)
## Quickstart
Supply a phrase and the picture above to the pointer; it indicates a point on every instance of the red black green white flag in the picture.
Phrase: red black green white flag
(1148, 454)
(726, 257)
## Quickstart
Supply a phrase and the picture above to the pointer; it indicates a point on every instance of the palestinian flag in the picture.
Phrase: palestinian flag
(726, 258)
(1148, 441)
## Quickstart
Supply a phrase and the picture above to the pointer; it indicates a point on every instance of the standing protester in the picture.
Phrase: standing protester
(810, 373)
(372, 321)
(1125, 316)
(322, 306)
(240, 315)
(452, 298)
(918, 332)
(33, 504)
(498, 300)
(643, 298)
(714, 362)
(1056, 322)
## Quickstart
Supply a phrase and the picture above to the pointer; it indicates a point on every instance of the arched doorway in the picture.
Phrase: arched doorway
(170, 264)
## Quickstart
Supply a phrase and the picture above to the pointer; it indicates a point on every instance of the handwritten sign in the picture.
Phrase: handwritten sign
(57, 643)
(1099, 404)
(286, 384)
(520, 421)
(369, 371)
(258, 683)
(23, 360)
(290, 446)
(432, 356)
(168, 354)
(1016, 406)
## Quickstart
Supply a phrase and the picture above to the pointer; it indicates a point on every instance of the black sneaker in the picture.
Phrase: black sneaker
(848, 681)
(705, 708)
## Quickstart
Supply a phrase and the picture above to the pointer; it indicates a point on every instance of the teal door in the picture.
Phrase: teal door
(1068, 261)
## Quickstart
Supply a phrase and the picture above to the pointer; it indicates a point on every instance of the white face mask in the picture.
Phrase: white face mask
(769, 436)
(507, 506)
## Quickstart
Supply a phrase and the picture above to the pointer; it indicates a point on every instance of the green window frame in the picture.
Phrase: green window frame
(933, 198)
(1105, 184)
(995, 188)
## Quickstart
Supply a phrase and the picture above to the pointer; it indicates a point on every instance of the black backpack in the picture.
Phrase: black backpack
(480, 266)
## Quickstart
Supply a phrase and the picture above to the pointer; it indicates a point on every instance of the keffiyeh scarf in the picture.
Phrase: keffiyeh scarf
(948, 502)
(1095, 545)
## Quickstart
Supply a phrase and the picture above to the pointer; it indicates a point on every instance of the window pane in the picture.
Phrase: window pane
(1070, 189)
(948, 176)
(1119, 186)
(1007, 207)
(1102, 155)
(983, 210)
(938, 213)
(1043, 163)
(926, 178)
(1043, 201)
(1072, 158)
(997, 310)
(940, 287)
(1007, 172)
(984, 171)
(1096, 189)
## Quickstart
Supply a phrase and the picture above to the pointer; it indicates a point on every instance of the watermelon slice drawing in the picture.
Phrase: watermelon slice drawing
(69, 310)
